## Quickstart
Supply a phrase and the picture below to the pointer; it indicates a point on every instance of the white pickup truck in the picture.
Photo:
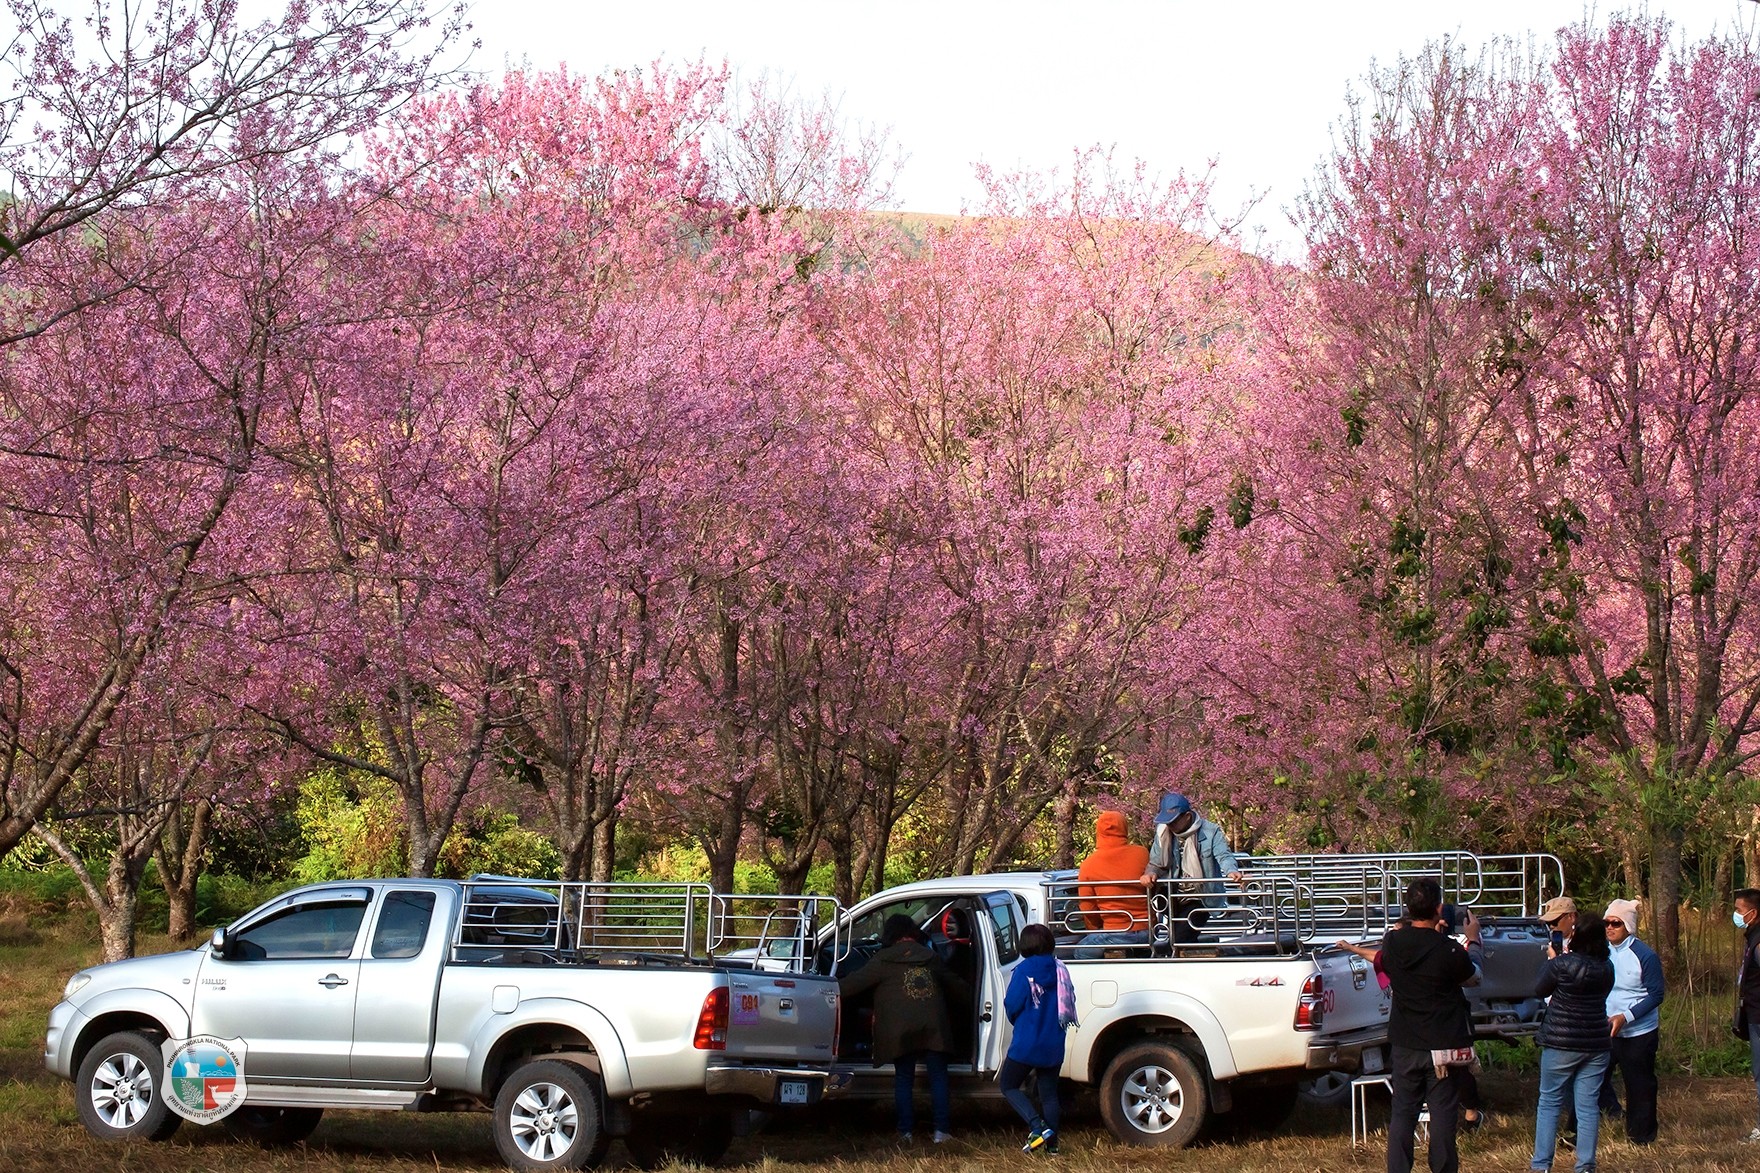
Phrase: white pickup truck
(1247, 1003)
(577, 1012)
(1233, 1020)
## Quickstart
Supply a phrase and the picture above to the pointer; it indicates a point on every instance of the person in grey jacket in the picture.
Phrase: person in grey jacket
(1574, 1041)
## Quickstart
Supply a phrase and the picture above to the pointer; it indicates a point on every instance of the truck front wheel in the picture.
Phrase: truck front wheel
(547, 1117)
(119, 1091)
(1153, 1096)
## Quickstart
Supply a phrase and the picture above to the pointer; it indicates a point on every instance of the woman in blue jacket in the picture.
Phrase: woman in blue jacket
(1037, 1045)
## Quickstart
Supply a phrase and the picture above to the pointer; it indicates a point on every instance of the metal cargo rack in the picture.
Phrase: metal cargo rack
(511, 920)
(1285, 903)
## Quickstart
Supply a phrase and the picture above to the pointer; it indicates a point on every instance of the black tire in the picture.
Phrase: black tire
(117, 1090)
(547, 1116)
(1153, 1096)
(659, 1139)
(1329, 1089)
(271, 1128)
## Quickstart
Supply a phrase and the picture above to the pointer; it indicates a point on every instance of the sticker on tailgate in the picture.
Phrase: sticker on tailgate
(747, 1009)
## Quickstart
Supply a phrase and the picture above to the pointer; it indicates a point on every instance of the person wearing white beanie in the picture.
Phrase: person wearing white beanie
(1633, 1016)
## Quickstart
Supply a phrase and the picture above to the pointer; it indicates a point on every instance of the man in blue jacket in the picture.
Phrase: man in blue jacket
(1633, 1016)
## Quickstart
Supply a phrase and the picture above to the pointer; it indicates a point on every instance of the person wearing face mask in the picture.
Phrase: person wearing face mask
(1747, 1018)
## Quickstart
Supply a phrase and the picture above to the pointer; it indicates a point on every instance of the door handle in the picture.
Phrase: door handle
(330, 981)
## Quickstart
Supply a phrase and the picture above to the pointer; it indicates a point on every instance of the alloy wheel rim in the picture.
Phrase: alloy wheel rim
(1152, 1099)
(544, 1121)
(122, 1090)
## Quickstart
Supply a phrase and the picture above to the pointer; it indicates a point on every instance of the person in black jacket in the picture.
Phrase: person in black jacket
(911, 985)
(1747, 1017)
(1425, 970)
(1574, 1040)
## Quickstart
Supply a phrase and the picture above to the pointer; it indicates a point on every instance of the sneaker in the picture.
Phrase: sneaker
(1050, 1139)
(942, 1137)
(905, 1138)
(1752, 1137)
(1040, 1139)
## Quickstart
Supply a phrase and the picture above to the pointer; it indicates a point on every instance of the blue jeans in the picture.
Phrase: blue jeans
(904, 1085)
(1014, 1074)
(1559, 1071)
(1095, 944)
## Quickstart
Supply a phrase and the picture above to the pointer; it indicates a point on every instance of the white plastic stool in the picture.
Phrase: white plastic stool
(1360, 1104)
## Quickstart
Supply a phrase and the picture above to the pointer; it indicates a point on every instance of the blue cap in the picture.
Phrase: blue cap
(1172, 807)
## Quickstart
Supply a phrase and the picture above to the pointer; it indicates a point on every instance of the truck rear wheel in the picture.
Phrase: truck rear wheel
(1153, 1096)
(547, 1117)
(118, 1090)
(271, 1128)
(657, 1140)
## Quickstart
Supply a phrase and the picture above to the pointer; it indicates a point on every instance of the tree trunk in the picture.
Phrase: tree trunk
(1630, 863)
(1750, 853)
(1665, 893)
(1067, 805)
(181, 854)
(116, 914)
(604, 859)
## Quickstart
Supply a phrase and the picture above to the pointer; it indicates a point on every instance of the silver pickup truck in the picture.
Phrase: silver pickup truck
(576, 1012)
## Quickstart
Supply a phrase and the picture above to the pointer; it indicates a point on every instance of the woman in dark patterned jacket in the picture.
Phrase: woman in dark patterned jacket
(911, 985)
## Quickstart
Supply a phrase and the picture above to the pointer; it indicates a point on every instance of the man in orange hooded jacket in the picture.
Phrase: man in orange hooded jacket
(1110, 889)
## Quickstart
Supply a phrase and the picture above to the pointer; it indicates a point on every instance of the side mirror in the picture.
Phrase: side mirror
(218, 942)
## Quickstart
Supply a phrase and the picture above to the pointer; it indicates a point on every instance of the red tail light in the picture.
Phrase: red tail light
(712, 1022)
(1311, 1008)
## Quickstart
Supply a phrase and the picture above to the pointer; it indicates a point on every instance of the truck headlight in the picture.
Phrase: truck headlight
(75, 984)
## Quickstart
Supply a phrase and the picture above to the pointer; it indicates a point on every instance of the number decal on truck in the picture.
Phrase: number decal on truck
(747, 1009)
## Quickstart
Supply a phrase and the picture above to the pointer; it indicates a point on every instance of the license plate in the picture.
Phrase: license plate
(792, 1091)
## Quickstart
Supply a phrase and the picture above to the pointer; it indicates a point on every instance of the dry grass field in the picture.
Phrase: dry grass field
(39, 1132)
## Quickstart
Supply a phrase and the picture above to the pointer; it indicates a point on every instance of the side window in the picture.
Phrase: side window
(403, 924)
(866, 928)
(1005, 924)
(310, 931)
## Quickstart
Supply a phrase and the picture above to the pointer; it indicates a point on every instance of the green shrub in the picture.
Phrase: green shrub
(352, 827)
(493, 841)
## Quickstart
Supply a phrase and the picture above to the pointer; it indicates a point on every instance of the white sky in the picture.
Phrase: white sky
(1174, 83)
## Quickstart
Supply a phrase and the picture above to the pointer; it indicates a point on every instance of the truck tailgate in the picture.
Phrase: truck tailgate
(781, 1017)
(1354, 999)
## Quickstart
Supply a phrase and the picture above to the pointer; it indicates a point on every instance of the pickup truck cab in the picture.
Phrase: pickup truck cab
(1168, 1041)
(576, 1012)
